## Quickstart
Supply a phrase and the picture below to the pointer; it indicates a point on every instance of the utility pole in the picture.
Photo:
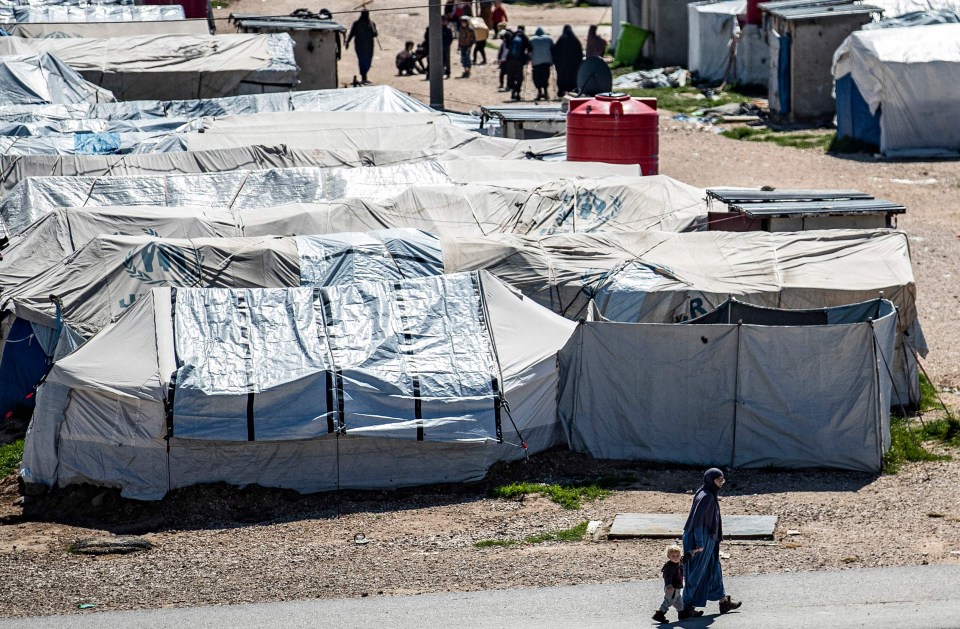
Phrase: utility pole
(436, 56)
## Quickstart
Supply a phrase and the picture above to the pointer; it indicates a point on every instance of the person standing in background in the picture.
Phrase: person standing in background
(596, 45)
(499, 16)
(362, 33)
(541, 59)
(567, 57)
(465, 40)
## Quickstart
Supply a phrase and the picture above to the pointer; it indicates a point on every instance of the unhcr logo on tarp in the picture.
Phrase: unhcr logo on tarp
(162, 265)
(587, 211)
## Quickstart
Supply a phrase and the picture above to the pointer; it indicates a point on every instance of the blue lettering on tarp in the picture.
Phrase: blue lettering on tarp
(124, 304)
(696, 308)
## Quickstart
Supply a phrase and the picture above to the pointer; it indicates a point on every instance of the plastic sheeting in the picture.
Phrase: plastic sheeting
(766, 392)
(659, 277)
(383, 357)
(177, 66)
(105, 277)
(72, 13)
(720, 50)
(97, 30)
(373, 98)
(252, 158)
(101, 416)
(664, 200)
(909, 75)
(34, 79)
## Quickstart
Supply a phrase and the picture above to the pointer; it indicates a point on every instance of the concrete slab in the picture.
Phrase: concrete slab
(670, 525)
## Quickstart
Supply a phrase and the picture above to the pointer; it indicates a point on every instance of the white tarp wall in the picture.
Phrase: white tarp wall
(911, 76)
(757, 394)
(155, 66)
(424, 404)
(30, 80)
(720, 49)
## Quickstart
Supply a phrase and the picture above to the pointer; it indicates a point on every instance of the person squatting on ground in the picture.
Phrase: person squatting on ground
(517, 57)
(672, 572)
(363, 32)
(567, 57)
(702, 535)
(542, 60)
(406, 60)
(465, 40)
(481, 32)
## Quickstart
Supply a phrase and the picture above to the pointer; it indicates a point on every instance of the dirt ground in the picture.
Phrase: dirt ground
(217, 545)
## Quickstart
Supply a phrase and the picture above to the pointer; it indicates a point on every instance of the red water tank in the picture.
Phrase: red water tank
(616, 129)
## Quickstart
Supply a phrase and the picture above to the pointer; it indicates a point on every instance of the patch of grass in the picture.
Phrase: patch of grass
(568, 496)
(10, 456)
(574, 534)
(796, 139)
(685, 99)
(905, 445)
(928, 394)
(943, 430)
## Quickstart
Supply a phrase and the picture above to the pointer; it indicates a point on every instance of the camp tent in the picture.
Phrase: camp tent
(33, 79)
(166, 397)
(173, 66)
(660, 277)
(108, 275)
(742, 386)
(664, 200)
(896, 88)
(721, 49)
(74, 13)
(250, 158)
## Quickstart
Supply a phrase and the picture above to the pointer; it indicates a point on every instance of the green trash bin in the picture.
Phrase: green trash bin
(632, 39)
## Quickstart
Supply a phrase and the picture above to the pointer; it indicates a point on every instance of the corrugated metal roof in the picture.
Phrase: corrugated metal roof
(248, 20)
(524, 114)
(808, 12)
(818, 208)
(733, 195)
(791, 4)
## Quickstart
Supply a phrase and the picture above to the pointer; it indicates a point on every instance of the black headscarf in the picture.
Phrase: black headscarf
(567, 56)
(705, 510)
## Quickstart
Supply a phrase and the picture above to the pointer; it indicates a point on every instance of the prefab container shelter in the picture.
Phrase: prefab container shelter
(742, 386)
(803, 38)
(316, 44)
(295, 388)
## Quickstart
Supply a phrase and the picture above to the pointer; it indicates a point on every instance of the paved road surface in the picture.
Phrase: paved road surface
(918, 596)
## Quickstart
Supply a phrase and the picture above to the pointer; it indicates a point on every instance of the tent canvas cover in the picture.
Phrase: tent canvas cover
(897, 87)
(742, 386)
(36, 79)
(240, 190)
(172, 66)
(661, 277)
(297, 388)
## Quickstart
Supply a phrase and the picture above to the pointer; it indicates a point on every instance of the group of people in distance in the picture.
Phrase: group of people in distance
(517, 49)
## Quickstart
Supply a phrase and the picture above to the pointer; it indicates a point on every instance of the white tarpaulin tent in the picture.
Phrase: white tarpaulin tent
(36, 79)
(104, 278)
(612, 204)
(660, 277)
(173, 66)
(252, 158)
(312, 398)
(97, 30)
(910, 78)
(743, 386)
(720, 50)
(667, 201)
(95, 13)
